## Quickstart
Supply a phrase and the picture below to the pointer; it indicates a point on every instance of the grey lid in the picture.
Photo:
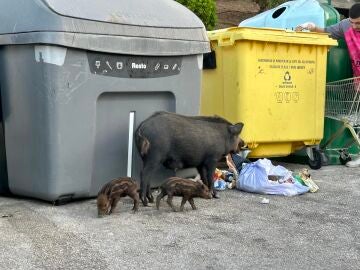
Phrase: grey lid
(139, 27)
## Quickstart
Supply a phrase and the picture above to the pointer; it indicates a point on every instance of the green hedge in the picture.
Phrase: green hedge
(204, 9)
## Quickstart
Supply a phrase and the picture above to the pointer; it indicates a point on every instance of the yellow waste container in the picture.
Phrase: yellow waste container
(271, 80)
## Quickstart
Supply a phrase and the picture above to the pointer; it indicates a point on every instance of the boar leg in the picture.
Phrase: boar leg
(114, 203)
(151, 163)
(170, 203)
(191, 201)
(183, 201)
(143, 191)
(135, 197)
(210, 167)
(149, 195)
(158, 199)
(202, 171)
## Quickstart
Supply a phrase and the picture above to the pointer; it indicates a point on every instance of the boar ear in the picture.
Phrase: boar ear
(236, 129)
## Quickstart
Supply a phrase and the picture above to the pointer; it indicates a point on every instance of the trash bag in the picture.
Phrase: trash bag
(254, 177)
(283, 174)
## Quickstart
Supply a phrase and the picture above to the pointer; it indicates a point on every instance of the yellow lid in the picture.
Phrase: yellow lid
(227, 36)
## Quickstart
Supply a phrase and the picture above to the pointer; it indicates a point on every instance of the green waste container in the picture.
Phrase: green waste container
(338, 63)
(338, 68)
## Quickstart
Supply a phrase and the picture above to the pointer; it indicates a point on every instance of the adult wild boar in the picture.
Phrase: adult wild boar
(177, 141)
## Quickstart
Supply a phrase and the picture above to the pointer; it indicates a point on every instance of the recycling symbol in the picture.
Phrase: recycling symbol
(287, 76)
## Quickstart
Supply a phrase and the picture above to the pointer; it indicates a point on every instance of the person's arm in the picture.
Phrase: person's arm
(336, 31)
(318, 29)
(309, 26)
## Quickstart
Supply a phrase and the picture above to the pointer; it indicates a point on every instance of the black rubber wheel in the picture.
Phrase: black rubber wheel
(316, 163)
(344, 157)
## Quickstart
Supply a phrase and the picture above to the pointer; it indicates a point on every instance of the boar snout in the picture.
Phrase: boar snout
(240, 144)
(102, 212)
(207, 195)
(103, 205)
(205, 192)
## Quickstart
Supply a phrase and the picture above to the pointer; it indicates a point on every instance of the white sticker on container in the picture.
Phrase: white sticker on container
(50, 54)
(200, 61)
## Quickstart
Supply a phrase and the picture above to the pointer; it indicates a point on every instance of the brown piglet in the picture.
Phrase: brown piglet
(111, 192)
(186, 188)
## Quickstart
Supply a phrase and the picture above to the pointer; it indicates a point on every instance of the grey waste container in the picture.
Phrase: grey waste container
(78, 76)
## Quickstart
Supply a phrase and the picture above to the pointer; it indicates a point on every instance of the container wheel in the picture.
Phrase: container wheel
(344, 157)
(315, 163)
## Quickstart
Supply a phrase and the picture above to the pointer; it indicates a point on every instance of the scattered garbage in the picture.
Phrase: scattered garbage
(220, 184)
(262, 177)
(224, 179)
(231, 185)
(304, 178)
(265, 201)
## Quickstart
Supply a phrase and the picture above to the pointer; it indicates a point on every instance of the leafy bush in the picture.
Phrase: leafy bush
(269, 4)
(204, 9)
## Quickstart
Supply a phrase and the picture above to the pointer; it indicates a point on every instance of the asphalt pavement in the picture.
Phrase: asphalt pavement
(312, 231)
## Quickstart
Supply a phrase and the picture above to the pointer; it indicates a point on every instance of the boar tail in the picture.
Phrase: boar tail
(143, 144)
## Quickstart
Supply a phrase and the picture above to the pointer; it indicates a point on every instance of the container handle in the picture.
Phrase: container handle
(226, 40)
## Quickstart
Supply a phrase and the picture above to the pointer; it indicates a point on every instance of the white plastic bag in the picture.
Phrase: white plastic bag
(254, 178)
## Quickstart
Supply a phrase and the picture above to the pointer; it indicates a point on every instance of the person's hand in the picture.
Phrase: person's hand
(306, 26)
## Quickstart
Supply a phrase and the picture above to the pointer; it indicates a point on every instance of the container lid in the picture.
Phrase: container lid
(289, 15)
(227, 37)
(158, 13)
(137, 27)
